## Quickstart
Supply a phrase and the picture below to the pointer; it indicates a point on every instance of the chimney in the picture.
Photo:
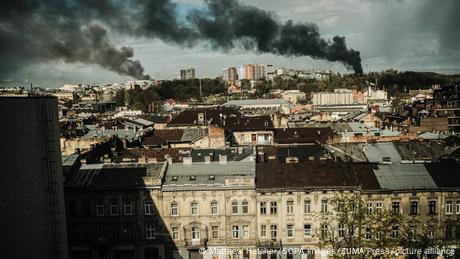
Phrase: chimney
(142, 160)
(207, 159)
(223, 159)
(187, 160)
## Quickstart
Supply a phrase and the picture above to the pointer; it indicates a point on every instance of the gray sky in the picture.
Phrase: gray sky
(418, 35)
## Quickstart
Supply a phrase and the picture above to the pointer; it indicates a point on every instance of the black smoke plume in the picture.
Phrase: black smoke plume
(227, 22)
(77, 31)
(68, 31)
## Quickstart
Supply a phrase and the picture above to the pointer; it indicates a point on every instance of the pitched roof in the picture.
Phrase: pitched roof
(314, 174)
(446, 173)
(302, 135)
(114, 175)
(189, 117)
(404, 176)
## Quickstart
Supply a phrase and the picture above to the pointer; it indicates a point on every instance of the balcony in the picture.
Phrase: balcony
(196, 243)
(273, 244)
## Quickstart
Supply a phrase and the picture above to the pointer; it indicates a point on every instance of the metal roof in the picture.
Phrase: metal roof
(376, 152)
(200, 175)
(404, 176)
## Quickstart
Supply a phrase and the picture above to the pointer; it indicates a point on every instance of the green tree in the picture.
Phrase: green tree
(352, 225)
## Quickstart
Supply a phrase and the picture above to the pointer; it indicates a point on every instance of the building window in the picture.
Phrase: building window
(253, 137)
(242, 137)
(273, 231)
(113, 208)
(449, 207)
(307, 230)
(369, 207)
(341, 206)
(263, 207)
(395, 232)
(273, 207)
(234, 207)
(148, 206)
(101, 232)
(149, 231)
(379, 207)
(449, 229)
(245, 205)
(290, 231)
(290, 207)
(194, 208)
(431, 207)
(307, 206)
(351, 230)
(175, 233)
(235, 232)
(368, 234)
(215, 231)
(395, 207)
(341, 230)
(195, 233)
(263, 231)
(128, 208)
(324, 206)
(245, 232)
(214, 208)
(378, 235)
(457, 205)
(174, 209)
(413, 208)
(324, 231)
(128, 230)
(100, 209)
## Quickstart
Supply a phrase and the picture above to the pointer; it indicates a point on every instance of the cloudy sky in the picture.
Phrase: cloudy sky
(420, 35)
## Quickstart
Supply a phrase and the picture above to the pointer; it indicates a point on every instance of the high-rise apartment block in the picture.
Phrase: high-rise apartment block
(186, 74)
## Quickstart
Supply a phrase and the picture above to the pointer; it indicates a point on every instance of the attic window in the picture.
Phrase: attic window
(212, 177)
(174, 178)
(192, 178)
(266, 124)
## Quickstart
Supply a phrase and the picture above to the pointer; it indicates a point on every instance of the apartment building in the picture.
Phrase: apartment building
(210, 205)
(114, 211)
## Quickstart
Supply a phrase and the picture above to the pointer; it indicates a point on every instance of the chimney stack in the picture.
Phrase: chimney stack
(223, 159)
(207, 159)
(187, 160)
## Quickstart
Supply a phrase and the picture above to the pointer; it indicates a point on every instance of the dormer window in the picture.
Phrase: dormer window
(174, 178)
(192, 178)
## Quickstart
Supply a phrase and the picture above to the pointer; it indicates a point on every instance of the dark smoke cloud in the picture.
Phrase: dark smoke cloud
(32, 31)
(227, 22)
(77, 31)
